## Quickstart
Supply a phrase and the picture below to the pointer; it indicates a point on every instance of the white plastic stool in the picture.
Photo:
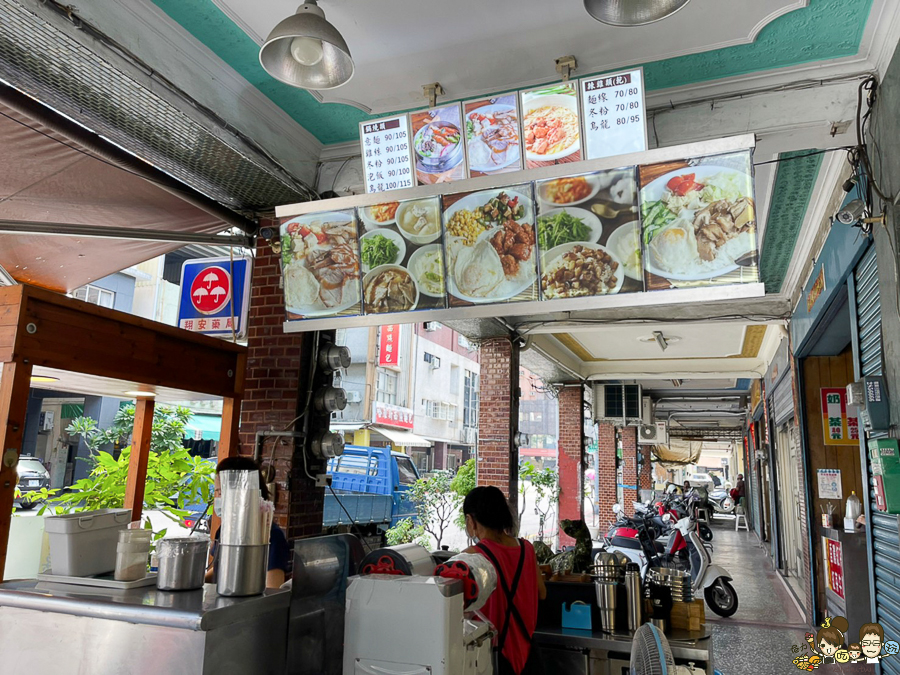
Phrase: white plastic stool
(738, 519)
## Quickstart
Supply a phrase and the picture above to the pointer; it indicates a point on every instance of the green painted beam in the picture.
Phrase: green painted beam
(825, 30)
(794, 183)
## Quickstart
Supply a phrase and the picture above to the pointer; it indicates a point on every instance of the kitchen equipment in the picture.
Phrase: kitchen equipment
(242, 569)
(106, 581)
(131, 560)
(677, 581)
(661, 604)
(634, 595)
(412, 624)
(182, 563)
(84, 544)
(404, 559)
(609, 572)
(854, 507)
(478, 574)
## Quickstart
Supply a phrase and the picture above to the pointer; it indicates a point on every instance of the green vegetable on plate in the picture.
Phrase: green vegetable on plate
(561, 228)
(656, 215)
(379, 250)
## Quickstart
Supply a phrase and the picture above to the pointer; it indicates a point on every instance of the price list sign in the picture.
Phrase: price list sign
(614, 114)
(385, 146)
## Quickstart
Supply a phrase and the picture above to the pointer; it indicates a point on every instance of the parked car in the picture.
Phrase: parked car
(32, 477)
(370, 489)
(702, 480)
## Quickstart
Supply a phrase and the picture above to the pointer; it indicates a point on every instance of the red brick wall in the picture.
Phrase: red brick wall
(629, 473)
(606, 472)
(271, 398)
(571, 453)
(498, 459)
(645, 477)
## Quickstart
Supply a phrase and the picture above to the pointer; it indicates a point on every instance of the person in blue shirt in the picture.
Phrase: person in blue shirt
(279, 551)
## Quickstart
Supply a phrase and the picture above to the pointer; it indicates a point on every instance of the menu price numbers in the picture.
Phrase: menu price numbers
(386, 154)
(614, 114)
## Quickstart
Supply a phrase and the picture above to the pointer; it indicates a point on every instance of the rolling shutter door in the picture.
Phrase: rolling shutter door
(885, 539)
(783, 400)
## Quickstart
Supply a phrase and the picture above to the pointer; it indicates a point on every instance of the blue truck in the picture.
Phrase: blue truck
(372, 486)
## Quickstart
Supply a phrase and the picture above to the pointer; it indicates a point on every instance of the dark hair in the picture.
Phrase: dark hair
(834, 634)
(854, 647)
(871, 629)
(489, 508)
(241, 463)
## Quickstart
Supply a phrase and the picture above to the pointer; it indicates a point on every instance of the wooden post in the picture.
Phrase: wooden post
(14, 386)
(231, 419)
(140, 453)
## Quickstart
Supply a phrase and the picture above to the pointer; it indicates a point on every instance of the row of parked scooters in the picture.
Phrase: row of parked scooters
(665, 532)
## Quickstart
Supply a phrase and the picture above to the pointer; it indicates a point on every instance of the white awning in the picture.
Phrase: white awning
(343, 426)
(400, 437)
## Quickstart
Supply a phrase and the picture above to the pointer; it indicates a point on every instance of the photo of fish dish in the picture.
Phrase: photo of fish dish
(492, 135)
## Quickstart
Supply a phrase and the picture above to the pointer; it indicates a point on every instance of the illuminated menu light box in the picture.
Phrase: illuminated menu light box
(532, 242)
(556, 123)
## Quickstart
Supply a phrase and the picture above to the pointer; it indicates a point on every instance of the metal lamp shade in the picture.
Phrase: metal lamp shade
(335, 68)
(632, 12)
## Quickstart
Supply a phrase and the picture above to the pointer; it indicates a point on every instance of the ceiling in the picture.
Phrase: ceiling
(92, 385)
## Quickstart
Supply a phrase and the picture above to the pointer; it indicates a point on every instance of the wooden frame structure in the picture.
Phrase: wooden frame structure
(43, 328)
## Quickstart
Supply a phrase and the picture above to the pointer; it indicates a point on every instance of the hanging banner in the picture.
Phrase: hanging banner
(389, 346)
(834, 557)
(840, 427)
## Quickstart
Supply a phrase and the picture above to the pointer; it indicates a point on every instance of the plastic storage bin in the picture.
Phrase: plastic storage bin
(84, 544)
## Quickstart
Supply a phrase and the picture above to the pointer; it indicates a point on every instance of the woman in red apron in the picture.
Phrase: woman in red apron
(513, 607)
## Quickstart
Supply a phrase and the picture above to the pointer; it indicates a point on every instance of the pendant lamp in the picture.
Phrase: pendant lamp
(632, 12)
(306, 51)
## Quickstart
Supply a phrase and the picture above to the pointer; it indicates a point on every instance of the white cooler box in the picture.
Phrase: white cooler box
(84, 544)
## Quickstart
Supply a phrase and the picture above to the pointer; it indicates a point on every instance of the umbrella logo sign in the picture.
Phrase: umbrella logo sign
(211, 290)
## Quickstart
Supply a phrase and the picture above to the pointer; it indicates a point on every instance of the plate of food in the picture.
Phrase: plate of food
(490, 246)
(697, 222)
(381, 247)
(321, 264)
(550, 127)
(438, 146)
(379, 215)
(492, 137)
(426, 264)
(389, 288)
(580, 269)
(566, 225)
(569, 191)
(625, 243)
(420, 220)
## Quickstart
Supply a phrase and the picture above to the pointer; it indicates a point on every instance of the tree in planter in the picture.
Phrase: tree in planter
(406, 532)
(435, 503)
(527, 471)
(175, 479)
(546, 485)
(462, 484)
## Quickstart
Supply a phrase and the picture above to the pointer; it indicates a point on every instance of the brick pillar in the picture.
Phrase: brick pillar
(629, 466)
(606, 474)
(571, 456)
(645, 477)
(275, 368)
(498, 418)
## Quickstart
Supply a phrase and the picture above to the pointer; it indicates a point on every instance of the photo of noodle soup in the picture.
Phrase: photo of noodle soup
(551, 130)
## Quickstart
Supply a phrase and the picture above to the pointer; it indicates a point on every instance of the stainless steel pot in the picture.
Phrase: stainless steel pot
(182, 563)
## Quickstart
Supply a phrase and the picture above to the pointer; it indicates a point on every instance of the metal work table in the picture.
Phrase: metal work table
(600, 653)
(105, 631)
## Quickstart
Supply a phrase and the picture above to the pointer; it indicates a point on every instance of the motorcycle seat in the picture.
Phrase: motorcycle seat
(625, 542)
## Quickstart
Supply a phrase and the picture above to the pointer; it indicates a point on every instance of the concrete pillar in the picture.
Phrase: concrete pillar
(498, 418)
(571, 456)
(606, 474)
(274, 380)
(629, 465)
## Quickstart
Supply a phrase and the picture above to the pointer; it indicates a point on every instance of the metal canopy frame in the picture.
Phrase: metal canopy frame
(42, 328)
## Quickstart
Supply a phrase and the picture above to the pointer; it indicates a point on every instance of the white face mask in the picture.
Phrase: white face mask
(217, 506)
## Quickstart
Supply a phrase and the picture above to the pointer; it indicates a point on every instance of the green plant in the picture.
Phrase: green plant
(175, 479)
(435, 502)
(462, 484)
(546, 484)
(406, 532)
(527, 470)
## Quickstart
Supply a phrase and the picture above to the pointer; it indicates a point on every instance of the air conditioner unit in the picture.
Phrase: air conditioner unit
(653, 434)
(354, 397)
(435, 363)
(619, 403)
(646, 410)
(46, 420)
(432, 326)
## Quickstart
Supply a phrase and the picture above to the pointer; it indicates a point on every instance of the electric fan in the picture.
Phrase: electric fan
(650, 652)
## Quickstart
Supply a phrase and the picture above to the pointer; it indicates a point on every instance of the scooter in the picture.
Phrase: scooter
(636, 539)
(682, 507)
(713, 579)
(721, 501)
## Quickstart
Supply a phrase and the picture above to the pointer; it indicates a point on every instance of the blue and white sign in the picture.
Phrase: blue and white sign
(215, 296)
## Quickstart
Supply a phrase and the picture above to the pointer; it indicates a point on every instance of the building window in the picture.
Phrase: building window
(466, 344)
(386, 387)
(435, 361)
(95, 295)
(470, 399)
(439, 410)
(454, 380)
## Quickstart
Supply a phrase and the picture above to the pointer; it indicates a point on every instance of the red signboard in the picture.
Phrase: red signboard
(389, 346)
(211, 290)
(835, 567)
(389, 415)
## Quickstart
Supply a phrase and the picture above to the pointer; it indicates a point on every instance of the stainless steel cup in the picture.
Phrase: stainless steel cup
(241, 570)
(182, 563)
(606, 602)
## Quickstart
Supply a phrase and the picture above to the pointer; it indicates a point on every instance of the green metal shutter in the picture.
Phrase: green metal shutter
(885, 539)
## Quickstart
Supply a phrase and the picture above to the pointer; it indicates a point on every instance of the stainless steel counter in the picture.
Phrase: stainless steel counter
(102, 631)
(601, 652)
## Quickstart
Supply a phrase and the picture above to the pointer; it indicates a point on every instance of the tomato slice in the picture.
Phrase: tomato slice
(678, 182)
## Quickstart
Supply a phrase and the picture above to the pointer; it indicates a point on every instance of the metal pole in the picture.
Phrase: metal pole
(90, 231)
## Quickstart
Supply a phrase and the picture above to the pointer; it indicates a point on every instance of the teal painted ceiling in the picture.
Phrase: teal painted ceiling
(826, 29)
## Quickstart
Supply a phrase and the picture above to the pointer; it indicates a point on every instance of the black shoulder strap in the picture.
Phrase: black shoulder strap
(509, 591)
